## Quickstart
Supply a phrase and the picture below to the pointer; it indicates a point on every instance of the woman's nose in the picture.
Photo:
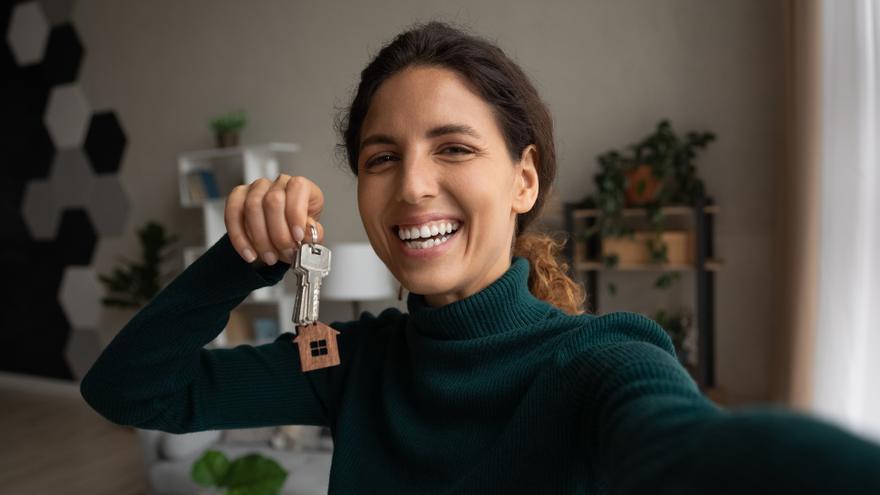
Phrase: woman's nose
(417, 180)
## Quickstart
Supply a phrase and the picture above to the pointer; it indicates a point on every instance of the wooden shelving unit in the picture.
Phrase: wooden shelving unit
(704, 267)
(228, 168)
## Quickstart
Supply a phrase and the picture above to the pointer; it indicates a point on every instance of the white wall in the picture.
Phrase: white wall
(609, 70)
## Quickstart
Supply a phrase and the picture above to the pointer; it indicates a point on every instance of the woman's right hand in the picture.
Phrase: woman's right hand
(269, 219)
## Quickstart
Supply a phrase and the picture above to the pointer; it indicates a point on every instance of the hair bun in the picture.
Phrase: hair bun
(548, 274)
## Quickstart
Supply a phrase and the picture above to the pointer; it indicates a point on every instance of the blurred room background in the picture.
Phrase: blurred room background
(112, 115)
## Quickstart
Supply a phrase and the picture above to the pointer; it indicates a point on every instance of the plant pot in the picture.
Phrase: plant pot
(641, 186)
(227, 139)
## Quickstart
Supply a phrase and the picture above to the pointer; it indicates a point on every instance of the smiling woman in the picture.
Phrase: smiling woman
(494, 381)
(444, 128)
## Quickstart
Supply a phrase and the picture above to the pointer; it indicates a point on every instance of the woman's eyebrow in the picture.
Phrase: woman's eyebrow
(441, 130)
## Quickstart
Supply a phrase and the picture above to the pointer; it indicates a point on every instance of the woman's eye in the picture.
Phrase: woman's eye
(377, 160)
(458, 148)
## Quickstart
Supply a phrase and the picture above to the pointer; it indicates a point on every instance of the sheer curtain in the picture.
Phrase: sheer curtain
(846, 356)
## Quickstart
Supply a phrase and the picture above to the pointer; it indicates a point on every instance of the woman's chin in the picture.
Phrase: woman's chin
(427, 286)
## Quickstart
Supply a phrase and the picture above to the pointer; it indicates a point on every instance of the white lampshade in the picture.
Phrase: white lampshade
(356, 274)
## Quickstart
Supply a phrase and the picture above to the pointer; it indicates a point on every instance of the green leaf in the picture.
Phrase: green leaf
(210, 469)
(254, 474)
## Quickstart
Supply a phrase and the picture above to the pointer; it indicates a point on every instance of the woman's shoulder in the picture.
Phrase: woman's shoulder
(625, 334)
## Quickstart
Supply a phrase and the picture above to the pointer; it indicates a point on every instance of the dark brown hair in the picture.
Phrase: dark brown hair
(520, 113)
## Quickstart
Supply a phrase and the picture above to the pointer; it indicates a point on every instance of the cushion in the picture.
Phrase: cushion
(177, 446)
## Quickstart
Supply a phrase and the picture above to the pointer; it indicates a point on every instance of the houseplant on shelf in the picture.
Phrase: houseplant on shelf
(133, 283)
(656, 172)
(227, 128)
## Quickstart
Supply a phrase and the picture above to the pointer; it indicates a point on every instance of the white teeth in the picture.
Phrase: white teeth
(427, 244)
(427, 231)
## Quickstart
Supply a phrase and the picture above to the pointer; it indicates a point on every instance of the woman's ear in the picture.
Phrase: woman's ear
(525, 190)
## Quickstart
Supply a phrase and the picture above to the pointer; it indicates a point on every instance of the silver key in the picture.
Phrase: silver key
(311, 265)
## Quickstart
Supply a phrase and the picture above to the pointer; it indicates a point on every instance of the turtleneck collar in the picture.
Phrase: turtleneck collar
(504, 305)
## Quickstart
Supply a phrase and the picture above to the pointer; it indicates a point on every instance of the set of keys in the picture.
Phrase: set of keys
(316, 341)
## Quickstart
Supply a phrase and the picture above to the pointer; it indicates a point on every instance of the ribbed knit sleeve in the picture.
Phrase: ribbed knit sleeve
(649, 430)
(156, 373)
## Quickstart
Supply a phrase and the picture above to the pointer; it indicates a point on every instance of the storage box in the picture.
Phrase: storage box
(679, 247)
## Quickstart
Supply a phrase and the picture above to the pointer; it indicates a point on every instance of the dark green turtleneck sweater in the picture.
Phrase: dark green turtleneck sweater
(497, 393)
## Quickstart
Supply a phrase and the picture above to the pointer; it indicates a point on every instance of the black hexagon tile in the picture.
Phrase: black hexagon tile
(105, 143)
(64, 54)
(76, 237)
(27, 149)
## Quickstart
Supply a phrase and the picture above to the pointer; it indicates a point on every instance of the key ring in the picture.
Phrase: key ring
(314, 236)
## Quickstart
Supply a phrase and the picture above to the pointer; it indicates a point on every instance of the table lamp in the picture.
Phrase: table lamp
(356, 274)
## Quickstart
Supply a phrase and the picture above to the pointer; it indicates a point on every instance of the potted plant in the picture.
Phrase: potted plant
(249, 474)
(227, 128)
(133, 283)
(655, 172)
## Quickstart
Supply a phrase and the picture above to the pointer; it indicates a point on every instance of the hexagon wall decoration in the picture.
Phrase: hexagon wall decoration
(59, 190)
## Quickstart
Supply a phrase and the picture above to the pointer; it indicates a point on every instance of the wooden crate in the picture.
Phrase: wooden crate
(679, 245)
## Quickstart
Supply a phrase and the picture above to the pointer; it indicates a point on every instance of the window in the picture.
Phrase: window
(319, 347)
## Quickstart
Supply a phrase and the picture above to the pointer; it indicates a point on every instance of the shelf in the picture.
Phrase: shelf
(711, 265)
(697, 259)
(225, 168)
(636, 212)
(239, 150)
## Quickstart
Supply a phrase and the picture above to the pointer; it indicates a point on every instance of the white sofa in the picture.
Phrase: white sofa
(168, 460)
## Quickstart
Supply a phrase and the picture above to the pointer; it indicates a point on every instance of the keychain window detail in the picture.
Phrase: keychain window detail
(319, 348)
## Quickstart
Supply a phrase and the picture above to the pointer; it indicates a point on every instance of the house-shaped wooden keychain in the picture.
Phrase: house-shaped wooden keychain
(317, 346)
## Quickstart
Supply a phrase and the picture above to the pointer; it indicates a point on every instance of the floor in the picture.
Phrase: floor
(55, 444)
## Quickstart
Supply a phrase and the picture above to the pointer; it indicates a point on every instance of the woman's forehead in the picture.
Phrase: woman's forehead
(424, 100)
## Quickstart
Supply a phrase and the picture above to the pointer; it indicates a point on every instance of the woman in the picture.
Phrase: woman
(494, 381)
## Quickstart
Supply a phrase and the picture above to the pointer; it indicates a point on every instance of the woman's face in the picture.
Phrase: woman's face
(432, 155)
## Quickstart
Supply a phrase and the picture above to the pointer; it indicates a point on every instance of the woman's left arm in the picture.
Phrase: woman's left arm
(648, 429)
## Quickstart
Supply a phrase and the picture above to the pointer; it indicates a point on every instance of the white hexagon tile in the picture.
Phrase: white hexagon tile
(80, 296)
(67, 115)
(40, 210)
(28, 33)
(108, 205)
(83, 348)
(72, 178)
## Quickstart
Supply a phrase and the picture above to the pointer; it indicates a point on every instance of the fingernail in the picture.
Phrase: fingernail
(288, 253)
(298, 233)
(269, 258)
(249, 256)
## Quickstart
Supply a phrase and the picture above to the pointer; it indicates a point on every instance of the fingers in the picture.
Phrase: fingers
(305, 202)
(233, 216)
(255, 221)
(269, 219)
(274, 205)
